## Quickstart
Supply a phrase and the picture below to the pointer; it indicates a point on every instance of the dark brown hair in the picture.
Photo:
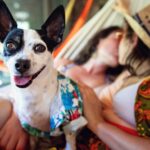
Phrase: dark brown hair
(140, 53)
(85, 55)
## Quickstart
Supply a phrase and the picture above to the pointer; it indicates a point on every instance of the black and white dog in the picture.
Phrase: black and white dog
(34, 81)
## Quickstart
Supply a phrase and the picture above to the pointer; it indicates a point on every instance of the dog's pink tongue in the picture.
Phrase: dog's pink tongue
(22, 80)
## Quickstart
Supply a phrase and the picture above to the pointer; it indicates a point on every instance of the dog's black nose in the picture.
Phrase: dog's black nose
(22, 65)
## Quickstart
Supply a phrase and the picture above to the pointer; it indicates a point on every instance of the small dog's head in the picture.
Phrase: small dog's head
(27, 52)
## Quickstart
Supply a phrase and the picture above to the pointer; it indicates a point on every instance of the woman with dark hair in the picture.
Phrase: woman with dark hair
(98, 66)
(103, 34)
(125, 124)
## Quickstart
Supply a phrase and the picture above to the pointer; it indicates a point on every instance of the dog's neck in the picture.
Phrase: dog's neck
(39, 95)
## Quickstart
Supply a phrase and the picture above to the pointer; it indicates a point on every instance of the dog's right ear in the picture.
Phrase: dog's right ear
(7, 21)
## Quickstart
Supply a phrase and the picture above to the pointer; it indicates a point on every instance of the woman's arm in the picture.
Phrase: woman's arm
(119, 140)
(114, 137)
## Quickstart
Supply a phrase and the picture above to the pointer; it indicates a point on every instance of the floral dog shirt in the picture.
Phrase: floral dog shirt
(67, 106)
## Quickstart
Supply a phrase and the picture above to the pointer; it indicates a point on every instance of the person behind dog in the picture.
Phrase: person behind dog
(99, 65)
(128, 117)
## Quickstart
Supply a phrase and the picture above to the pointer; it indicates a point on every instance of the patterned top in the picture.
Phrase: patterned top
(142, 108)
(67, 106)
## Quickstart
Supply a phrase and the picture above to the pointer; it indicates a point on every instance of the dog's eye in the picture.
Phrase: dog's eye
(39, 48)
(11, 46)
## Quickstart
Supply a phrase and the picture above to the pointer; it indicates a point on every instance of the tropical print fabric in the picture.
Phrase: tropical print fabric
(142, 108)
(70, 108)
(87, 140)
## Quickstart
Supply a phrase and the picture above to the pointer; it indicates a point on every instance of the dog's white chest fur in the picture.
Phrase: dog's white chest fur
(33, 104)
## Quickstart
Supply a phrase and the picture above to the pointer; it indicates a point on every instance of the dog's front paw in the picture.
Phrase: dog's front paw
(75, 125)
(71, 131)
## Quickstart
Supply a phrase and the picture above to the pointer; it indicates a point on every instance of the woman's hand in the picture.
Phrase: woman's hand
(12, 135)
(5, 111)
(91, 107)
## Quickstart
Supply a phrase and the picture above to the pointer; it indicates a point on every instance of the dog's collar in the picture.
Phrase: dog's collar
(67, 107)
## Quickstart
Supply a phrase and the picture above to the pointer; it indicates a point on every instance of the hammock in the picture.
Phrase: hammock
(104, 18)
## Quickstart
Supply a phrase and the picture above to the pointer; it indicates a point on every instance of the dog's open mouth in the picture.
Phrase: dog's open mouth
(25, 81)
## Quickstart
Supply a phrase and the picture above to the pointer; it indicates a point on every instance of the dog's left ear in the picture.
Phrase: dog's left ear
(53, 28)
(7, 21)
